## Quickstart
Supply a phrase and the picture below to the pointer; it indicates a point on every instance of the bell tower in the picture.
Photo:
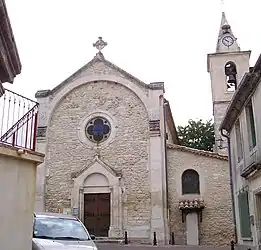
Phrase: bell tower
(226, 67)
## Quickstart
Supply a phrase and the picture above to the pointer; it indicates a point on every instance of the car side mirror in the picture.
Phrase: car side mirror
(92, 237)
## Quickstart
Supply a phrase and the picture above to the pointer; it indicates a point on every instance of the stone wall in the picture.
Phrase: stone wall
(216, 227)
(127, 152)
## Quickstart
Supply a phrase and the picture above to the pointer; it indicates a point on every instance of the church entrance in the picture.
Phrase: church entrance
(97, 213)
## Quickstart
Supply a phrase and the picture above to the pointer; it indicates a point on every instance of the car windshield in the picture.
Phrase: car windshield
(59, 229)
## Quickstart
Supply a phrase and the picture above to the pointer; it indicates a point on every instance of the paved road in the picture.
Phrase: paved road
(110, 246)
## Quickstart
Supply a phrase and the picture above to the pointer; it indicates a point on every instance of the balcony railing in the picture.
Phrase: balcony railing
(18, 122)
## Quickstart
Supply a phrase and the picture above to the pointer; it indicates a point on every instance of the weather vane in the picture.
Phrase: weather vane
(100, 44)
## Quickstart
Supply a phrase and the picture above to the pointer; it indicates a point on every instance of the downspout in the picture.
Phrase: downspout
(166, 158)
(167, 226)
(231, 183)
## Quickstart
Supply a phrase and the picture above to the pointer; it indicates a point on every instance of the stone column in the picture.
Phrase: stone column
(115, 227)
(192, 228)
(120, 212)
(156, 180)
(41, 173)
(81, 204)
(112, 220)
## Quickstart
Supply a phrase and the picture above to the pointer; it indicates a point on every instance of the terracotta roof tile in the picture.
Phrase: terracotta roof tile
(197, 151)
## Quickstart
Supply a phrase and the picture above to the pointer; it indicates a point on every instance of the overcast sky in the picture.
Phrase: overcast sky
(163, 40)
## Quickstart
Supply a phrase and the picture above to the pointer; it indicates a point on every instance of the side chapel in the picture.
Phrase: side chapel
(113, 159)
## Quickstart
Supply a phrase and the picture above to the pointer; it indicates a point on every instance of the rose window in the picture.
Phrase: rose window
(98, 129)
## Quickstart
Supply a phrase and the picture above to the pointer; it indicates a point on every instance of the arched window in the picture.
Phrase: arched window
(231, 74)
(190, 182)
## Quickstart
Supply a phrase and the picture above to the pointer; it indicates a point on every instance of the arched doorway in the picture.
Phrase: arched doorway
(97, 200)
(98, 178)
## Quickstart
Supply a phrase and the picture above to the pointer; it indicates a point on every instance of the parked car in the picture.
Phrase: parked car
(53, 231)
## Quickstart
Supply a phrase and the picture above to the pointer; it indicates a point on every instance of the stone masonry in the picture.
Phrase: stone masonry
(127, 153)
(131, 162)
(216, 228)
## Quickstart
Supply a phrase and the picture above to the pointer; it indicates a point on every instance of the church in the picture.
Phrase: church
(113, 158)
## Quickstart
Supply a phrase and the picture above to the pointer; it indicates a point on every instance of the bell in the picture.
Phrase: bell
(231, 79)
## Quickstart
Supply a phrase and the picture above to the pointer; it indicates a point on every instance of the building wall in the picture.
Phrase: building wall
(169, 140)
(216, 227)
(134, 150)
(128, 152)
(220, 96)
(249, 157)
(17, 192)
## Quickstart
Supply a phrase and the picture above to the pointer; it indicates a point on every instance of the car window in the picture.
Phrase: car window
(59, 228)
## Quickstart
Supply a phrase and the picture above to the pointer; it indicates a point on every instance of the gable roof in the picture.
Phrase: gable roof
(197, 151)
(245, 90)
(99, 58)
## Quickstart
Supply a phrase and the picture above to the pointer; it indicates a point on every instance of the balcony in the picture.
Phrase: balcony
(18, 122)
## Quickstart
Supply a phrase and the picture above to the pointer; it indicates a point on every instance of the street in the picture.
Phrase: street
(109, 246)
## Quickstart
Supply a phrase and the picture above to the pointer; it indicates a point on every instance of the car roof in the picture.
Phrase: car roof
(54, 215)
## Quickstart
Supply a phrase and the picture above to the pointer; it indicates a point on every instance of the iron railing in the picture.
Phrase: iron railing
(18, 122)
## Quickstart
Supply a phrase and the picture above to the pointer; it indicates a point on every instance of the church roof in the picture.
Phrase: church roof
(99, 57)
(245, 89)
(222, 24)
(224, 30)
(197, 151)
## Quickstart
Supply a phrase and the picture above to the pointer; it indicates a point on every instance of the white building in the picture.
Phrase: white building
(242, 125)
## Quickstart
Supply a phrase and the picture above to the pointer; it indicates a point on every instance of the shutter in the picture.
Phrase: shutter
(252, 124)
(244, 215)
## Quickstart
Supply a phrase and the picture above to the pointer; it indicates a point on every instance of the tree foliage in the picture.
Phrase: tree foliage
(197, 134)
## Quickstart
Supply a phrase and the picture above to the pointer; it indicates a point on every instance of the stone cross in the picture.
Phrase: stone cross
(100, 44)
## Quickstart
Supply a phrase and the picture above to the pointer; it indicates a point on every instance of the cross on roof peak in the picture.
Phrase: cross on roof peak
(100, 44)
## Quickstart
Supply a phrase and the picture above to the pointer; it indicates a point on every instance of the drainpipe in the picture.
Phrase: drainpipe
(165, 149)
(167, 229)
(231, 183)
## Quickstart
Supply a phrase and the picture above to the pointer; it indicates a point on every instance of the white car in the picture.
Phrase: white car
(53, 231)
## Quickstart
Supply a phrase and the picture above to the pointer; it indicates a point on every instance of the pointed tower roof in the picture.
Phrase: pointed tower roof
(226, 31)
(224, 25)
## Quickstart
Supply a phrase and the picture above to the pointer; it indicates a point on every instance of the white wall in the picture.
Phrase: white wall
(249, 156)
(17, 193)
(220, 96)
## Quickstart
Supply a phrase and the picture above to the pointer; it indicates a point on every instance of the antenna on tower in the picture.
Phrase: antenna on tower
(222, 5)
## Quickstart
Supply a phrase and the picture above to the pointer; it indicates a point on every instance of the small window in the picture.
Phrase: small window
(239, 141)
(190, 182)
(251, 125)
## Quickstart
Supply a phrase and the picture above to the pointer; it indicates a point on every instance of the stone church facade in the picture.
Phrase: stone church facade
(112, 158)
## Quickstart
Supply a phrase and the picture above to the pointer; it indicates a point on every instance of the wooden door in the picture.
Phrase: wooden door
(97, 214)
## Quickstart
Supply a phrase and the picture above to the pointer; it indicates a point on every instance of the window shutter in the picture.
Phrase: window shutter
(252, 124)
(244, 215)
